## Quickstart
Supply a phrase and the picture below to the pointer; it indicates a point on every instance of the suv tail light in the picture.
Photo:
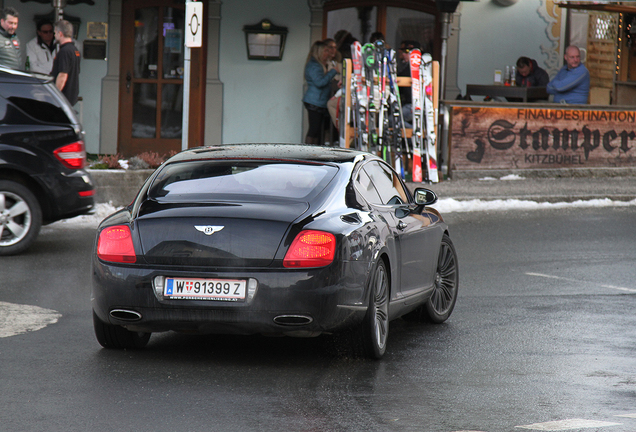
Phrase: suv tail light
(115, 245)
(72, 155)
(311, 248)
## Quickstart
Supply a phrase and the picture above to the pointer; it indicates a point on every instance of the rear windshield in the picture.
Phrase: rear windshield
(202, 181)
(43, 102)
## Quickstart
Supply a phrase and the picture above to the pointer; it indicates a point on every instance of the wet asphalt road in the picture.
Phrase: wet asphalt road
(544, 330)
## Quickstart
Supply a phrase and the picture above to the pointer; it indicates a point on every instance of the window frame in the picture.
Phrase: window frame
(382, 164)
(427, 6)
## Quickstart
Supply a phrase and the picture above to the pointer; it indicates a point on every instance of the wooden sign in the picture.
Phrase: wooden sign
(545, 136)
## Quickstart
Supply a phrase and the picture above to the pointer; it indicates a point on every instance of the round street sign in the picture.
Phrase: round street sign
(193, 20)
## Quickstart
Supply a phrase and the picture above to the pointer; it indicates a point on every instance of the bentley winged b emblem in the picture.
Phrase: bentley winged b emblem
(208, 229)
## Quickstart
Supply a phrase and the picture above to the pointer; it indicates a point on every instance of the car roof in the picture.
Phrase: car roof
(21, 77)
(286, 152)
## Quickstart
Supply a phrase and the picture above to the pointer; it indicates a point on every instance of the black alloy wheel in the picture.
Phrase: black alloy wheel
(375, 327)
(20, 217)
(440, 304)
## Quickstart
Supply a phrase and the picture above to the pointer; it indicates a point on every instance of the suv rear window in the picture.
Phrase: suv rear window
(40, 101)
(202, 181)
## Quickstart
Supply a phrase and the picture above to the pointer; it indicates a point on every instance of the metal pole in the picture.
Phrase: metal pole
(186, 98)
(59, 5)
(447, 18)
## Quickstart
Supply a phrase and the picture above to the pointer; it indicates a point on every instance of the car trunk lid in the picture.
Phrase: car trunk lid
(215, 235)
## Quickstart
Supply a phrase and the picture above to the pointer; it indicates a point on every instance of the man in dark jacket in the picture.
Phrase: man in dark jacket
(529, 74)
(9, 43)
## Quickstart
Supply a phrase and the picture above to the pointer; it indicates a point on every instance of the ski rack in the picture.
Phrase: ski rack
(350, 133)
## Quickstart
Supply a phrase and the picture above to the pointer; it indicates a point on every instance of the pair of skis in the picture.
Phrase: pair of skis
(376, 108)
(398, 131)
(359, 98)
(424, 136)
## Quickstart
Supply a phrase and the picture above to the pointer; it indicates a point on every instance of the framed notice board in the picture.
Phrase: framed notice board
(94, 49)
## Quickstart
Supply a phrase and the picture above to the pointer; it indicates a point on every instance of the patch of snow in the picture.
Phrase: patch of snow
(449, 205)
(444, 205)
(512, 177)
(86, 221)
(16, 319)
(504, 178)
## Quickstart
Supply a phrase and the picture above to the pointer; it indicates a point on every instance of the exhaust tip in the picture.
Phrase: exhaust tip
(293, 320)
(125, 315)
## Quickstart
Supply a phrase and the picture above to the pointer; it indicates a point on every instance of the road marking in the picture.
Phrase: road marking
(627, 415)
(568, 424)
(16, 319)
(580, 281)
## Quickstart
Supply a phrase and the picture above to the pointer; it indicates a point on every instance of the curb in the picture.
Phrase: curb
(119, 187)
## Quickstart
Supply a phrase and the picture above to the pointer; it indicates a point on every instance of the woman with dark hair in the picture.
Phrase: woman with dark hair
(529, 74)
(318, 90)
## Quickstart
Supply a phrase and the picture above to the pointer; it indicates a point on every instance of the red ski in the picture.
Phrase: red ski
(426, 73)
(415, 58)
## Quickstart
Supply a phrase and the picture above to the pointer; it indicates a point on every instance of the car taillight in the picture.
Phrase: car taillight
(311, 248)
(115, 245)
(72, 155)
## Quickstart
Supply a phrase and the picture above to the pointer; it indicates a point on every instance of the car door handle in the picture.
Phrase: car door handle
(401, 226)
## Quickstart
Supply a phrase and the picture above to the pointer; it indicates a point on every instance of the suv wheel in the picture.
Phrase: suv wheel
(20, 217)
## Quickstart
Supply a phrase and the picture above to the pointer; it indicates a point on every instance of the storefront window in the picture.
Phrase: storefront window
(144, 122)
(406, 24)
(397, 20)
(171, 110)
(173, 54)
(359, 21)
(146, 42)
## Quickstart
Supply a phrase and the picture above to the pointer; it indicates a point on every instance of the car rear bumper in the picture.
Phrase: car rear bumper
(69, 194)
(297, 303)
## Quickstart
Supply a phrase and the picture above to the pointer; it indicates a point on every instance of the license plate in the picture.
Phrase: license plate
(205, 289)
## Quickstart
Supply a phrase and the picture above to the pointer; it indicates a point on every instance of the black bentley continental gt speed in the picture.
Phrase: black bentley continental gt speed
(272, 239)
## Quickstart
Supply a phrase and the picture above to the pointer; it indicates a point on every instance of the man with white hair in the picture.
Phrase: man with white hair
(572, 83)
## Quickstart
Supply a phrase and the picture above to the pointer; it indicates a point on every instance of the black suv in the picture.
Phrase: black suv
(42, 159)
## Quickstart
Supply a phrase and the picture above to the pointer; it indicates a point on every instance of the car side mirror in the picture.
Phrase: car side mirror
(424, 197)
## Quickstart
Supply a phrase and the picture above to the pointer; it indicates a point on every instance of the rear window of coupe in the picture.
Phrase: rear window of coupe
(201, 181)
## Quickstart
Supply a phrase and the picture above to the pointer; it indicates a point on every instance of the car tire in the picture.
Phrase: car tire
(117, 337)
(441, 303)
(439, 306)
(20, 217)
(374, 329)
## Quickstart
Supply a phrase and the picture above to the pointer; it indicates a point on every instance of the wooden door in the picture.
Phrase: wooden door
(151, 79)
